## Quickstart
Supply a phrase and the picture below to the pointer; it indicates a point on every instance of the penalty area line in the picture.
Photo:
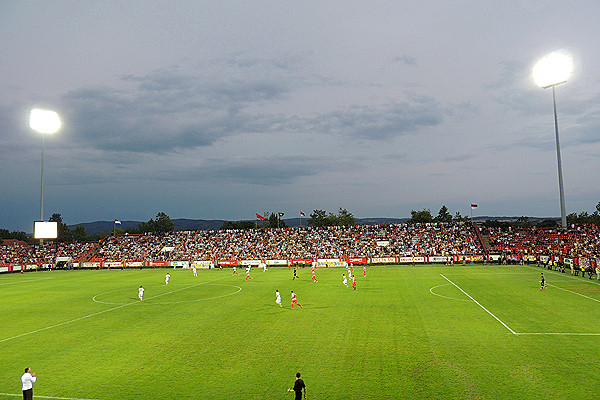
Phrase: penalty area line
(479, 304)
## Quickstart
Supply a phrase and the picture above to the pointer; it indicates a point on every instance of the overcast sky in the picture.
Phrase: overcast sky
(223, 109)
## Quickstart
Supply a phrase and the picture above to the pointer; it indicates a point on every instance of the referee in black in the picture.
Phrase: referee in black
(298, 386)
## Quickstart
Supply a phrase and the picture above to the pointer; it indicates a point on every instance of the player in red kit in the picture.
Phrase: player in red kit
(248, 273)
(294, 301)
(365, 271)
(235, 271)
(354, 282)
(314, 278)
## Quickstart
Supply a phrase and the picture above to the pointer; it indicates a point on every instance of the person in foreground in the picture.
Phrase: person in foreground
(27, 380)
(298, 386)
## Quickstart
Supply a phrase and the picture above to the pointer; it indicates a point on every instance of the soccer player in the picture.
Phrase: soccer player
(344, 280)
(235, 271)
(314, 278)
(195, 271)
(167, 277)
(352, 268)
(295, 275)
(248, 273)
(365, 271)
(543, 282)
(278, 298)
(141, 293)
(354, 282)
(294, 301)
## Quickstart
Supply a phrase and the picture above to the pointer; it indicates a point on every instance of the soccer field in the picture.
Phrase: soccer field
(412, 332)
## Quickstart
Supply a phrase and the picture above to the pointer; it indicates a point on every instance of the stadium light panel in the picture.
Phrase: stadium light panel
(44, 121)
(553, 69)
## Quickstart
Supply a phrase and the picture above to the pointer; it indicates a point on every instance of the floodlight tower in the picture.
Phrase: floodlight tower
(551, 71)
(43, 121)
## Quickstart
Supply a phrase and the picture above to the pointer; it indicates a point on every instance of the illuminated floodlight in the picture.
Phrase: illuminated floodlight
(553, 69)
(44, 121)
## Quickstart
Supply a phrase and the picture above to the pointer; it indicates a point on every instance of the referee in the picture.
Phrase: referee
(298, 386)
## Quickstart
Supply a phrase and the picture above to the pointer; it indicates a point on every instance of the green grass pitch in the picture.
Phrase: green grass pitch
(412, 332)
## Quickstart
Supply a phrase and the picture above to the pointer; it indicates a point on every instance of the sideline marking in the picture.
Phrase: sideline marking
(98, 313)
(476, 302)
(24, 281)
(446, 297)
(46, 397)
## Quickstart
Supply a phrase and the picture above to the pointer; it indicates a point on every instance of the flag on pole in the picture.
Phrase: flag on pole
(281, 214)
(117, 222)
(473, 205)
(302, 214)
(260, 216)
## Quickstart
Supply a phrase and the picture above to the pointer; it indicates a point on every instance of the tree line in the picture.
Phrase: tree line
(318, 218)
(161, 223)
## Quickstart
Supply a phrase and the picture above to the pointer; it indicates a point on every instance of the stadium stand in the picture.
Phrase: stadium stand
(435, 242)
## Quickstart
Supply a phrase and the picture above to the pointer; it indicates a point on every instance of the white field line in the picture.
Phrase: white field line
(558, 333)
(37, 396)
(565, 333)
(441, 295)
(534, 333)
(578, 294)
(567, 276)
(476, 302)
(24, 281)
(101, 312)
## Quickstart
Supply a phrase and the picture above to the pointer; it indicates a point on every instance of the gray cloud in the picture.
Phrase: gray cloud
(406, 59)
(377, 123)
(266, 171)
(169, 109)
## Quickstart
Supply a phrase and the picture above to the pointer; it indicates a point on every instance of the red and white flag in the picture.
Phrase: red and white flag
(117, 222)
(302, 214)
(473, 205)
(260, 216)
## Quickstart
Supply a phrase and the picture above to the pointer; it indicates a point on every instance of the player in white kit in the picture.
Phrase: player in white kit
(141, 293)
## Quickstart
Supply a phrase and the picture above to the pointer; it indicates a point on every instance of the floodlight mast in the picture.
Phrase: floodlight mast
(561, 188)
(43, 121)
(551, 71)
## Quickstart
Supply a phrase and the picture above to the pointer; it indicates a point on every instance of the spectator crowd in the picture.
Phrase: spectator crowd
(432, 239)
